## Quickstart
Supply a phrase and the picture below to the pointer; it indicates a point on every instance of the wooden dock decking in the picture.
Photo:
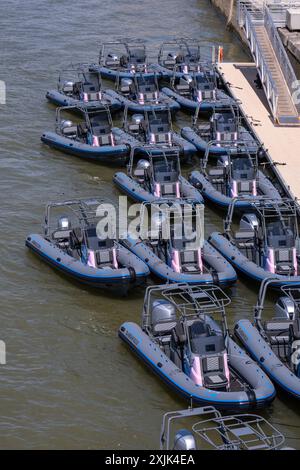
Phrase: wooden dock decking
(282, 143)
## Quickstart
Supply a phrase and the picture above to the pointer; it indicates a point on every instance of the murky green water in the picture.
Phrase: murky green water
(69, 382)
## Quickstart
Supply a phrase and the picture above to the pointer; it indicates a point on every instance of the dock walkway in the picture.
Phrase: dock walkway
(282, 143)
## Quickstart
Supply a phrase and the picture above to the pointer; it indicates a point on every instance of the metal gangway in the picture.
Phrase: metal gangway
(260, 19)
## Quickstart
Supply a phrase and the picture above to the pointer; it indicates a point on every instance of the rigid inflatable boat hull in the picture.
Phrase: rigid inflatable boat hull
(108, 154)
(260, 350)
(135, 107)
(242, 264)
(215, 150)
(221, 273)
(186, 149)
(116, 280)
(168, 74)
(260, 392)
(136, 191)
(59, 99)
(211, 194)
(223, 101)
(110, 74)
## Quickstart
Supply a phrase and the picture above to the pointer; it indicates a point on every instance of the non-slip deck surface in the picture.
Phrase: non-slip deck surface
(283, 143)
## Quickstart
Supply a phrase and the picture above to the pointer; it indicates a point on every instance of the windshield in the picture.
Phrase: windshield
(137, 55)
(90, 82)
(242, 168)
(281, 233)
(166, 170)
(100, 124)
(94, 243)
(202, 341)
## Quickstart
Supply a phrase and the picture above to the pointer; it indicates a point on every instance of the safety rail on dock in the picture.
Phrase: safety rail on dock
(274, 68)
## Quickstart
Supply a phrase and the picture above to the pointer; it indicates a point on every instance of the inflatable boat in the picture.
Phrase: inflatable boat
(93, 137)
(182, 56)
(141, 93)
(122, 59)
(274, 342)
(185, 340)
(209, 430)
(174, 248)
(71, 245)
(266, 243)
(154, 127)
(78, 86)
(230, 176)
(155, 176)
(201, 91)
(224, 132)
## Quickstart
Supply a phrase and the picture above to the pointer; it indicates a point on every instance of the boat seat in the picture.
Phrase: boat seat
(216, 175)
(189, 262)
(278, 331)
(125, 89)
(112, 63)
(61, 234)
(169, 62)
(68, 89)
(277, 325)
(168, 189)
(104, 258)
(134, 128)
(242, 235)
(139, 173)
(213, 370)
(183, 87)
(70, 131)
(164, 328)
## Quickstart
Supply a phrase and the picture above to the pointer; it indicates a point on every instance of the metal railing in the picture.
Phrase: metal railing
(251, 14)
(281, 55)
(271, 14)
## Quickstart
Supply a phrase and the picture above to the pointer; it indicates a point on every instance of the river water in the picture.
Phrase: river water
(68, 381)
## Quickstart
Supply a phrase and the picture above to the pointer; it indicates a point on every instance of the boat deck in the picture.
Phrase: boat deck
(282, 143)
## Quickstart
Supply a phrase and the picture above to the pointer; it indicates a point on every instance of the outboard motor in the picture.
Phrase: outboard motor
(68, 87)
(141, 168)
(126, 86)
(112, 60)
(163, 316)
(61, 236)
(249, 222)
(285, 309)
(143, 164)
(223, 161)
(64, 223)
(135, 123)
(68, 128)
(184, 440)
(170, 61)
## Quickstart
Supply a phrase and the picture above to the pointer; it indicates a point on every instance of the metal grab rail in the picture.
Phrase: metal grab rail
(251, 14)
(282, 57)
